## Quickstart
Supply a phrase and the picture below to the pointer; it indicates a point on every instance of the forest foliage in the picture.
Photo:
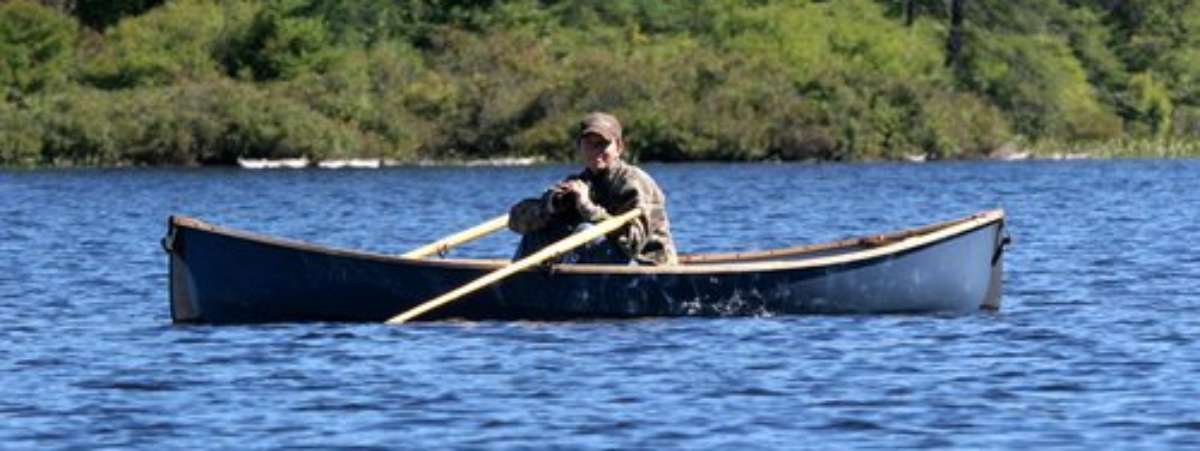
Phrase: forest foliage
(89, 82)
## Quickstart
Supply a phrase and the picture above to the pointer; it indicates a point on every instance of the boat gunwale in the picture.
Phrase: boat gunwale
(874, 246)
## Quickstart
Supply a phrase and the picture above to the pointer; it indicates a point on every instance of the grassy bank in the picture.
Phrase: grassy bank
(191, 82)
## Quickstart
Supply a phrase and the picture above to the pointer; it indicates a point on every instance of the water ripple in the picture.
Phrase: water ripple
(1095, 345)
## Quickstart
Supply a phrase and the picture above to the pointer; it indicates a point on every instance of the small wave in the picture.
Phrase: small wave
(852, 424)
(137, 386)
(1066, 387)
(1186, 425)
(756, 391)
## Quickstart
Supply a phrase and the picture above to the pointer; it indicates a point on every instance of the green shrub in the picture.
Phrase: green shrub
(1151, 104)
(255, 124)
(208, 122)
(1041, 86)
(179, 42)
(283, 43)
(78, 128)
(207, 81)
(962, 126)
(37, 49)
(1187, 122)
(20, 137)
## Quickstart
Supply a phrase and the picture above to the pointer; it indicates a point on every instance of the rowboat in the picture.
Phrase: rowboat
(220, 275)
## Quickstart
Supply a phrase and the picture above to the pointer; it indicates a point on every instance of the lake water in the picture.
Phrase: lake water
(1095, 346)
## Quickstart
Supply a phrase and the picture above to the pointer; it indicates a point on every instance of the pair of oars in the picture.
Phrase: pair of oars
(558, 248)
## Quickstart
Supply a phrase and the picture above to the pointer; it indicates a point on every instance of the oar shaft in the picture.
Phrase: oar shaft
(546, 253)
(443, 245)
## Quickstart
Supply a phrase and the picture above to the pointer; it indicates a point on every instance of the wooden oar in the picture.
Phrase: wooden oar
(548, 252)
(443, 245)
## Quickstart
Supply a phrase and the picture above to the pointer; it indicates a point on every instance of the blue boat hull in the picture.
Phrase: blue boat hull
(220, 275)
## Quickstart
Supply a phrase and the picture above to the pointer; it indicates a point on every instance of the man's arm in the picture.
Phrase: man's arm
(529, 215)
(555, 205)
(631, 238)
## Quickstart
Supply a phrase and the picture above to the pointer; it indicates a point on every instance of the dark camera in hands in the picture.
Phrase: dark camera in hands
(564, 200)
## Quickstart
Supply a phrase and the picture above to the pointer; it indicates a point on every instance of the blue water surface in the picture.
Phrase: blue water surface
(1094, 346)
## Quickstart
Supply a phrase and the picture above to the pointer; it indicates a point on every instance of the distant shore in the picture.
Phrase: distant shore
(373, 84)
(379, 163)
(1004, 155)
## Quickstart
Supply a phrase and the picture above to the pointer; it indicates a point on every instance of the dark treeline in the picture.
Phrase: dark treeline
(92, 82)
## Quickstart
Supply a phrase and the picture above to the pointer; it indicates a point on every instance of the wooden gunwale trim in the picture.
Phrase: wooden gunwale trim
(899, 242)
(867, 241)
(193, 223)
(893, 243)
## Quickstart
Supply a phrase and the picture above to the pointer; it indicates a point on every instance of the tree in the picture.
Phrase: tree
(283, 42)
(37, 47)
(954, 41)
(176, 42)
(101, 14)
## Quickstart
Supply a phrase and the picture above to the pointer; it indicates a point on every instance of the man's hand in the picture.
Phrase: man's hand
(580, 189)
(576, 192)
(566, 195)
(583, 200)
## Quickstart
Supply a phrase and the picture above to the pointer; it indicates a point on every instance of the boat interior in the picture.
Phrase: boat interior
(846, 249)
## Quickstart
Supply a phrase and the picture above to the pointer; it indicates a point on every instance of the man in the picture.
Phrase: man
(607, 187)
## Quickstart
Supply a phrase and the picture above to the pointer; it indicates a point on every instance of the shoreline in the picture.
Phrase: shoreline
(372, 164)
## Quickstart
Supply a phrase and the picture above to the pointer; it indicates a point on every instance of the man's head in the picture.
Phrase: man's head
(599, 141)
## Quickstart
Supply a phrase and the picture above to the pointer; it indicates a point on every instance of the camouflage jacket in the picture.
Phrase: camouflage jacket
(621, 188)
